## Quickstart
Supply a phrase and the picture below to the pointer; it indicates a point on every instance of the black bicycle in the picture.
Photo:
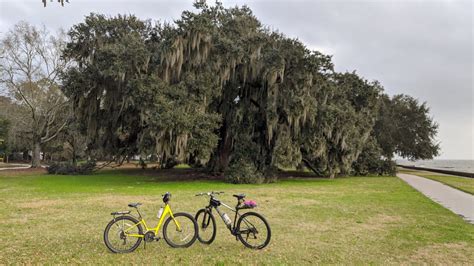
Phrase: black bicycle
(250, 228)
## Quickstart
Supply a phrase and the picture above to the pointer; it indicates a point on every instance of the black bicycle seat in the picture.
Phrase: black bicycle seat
(239, 196)
(134, 205)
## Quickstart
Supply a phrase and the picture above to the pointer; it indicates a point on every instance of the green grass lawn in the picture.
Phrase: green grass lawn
(47, 219)
(465, 184)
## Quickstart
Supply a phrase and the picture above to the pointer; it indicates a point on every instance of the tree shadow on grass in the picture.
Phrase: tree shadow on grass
(171, 175)
(199, 174)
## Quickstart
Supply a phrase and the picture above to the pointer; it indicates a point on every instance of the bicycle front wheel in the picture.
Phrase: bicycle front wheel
(207, 226)
(181, 236)
(122, 234)
(253, 230)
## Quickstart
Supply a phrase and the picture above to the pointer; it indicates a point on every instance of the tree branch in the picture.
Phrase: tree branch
(47, 139)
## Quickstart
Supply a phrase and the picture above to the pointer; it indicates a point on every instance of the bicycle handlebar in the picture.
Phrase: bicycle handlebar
(209, 193)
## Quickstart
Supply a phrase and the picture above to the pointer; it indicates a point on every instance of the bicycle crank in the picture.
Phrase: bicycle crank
(149, 236)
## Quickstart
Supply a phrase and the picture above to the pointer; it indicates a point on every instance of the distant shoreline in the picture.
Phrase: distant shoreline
(448, 172)
(463, 166)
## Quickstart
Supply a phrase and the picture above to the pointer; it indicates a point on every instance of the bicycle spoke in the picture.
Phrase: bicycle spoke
(118, 235)
(186, 237)
(182, 235)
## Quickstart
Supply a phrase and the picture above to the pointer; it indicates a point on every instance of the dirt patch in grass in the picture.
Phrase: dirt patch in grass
(114, 201)
(7, 165)
(446, 253)
(381, 219)
(40, 204)
(22, 172)
(364, 228)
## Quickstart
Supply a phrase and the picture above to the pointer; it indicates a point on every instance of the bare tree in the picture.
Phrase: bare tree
(30, 64)
(59, 1)
(19, 121)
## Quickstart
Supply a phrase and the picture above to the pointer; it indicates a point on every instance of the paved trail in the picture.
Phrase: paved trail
(15, 168)
(455, 200)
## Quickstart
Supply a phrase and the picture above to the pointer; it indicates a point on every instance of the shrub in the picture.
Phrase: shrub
(243, 173)
(389, 167)
(54, 167)
(67, 168)
(271, 175)
(371, 162)
(86, 168)
(169, 163)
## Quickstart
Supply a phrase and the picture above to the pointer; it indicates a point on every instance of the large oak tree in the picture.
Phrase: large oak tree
(220, 89)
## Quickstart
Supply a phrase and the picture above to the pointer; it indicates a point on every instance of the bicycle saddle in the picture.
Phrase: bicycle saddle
(134, 205)
(239, 196)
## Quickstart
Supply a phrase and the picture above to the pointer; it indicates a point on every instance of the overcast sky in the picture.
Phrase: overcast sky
(420, 48)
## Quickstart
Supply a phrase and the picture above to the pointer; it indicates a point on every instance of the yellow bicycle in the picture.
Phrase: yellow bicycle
(125, 232)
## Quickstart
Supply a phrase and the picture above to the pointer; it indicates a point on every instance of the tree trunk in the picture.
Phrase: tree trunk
(224, 155)
(36, 158)
(74, 159)
(221, 158)
(308, 164)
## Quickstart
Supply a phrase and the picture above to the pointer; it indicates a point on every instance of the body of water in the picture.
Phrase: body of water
(453, 165)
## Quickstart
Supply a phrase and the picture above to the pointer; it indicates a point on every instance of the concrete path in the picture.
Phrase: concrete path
(455, 200)
(17, 166)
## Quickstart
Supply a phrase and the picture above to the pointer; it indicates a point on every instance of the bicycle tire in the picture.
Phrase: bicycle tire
(205, 225)
(110, 246)
(244, 219)
(166, 233)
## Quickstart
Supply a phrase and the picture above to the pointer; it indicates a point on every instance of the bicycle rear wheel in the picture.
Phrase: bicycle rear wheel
(206, 226)
(253, 230)
(117, 234)
(184, 236)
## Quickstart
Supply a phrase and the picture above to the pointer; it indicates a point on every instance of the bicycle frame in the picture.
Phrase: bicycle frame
(235, 210)
(167, 211)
